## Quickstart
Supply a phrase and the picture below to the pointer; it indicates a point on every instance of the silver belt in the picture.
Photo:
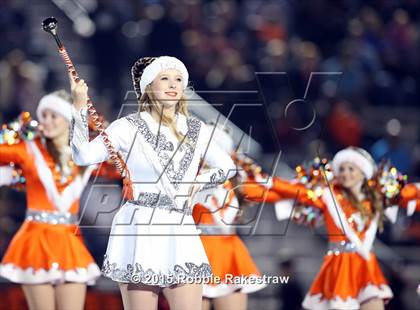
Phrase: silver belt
(160, 201)
(336, 248)
(51, 217)
(214, 230)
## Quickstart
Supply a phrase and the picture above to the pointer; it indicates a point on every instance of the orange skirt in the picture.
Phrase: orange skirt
(346, 281)
(232, 264)
(48, 253)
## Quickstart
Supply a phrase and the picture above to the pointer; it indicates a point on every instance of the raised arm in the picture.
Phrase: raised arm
(87, 152)
(290, 190)
(256, 192)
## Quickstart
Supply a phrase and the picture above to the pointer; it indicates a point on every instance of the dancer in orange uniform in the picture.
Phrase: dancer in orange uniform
(47, 255)
(353, 209)
(215, 212)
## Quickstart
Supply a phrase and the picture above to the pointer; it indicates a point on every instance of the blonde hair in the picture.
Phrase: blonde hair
(376, 202)
(54, 152)
(149, 103)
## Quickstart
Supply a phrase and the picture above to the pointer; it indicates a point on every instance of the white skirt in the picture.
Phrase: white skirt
(155, 247)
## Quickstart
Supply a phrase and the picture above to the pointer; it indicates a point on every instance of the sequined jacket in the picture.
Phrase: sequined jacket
(162, 169)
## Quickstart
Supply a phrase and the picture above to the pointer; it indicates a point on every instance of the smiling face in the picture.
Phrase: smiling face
(53, 124)
(168, 87)
(349, 175)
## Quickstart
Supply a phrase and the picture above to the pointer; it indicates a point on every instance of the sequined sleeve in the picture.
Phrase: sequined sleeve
(87, 152)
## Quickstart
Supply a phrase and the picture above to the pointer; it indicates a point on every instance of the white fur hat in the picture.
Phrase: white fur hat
(357, 156)
(56, 104)
(160, 64)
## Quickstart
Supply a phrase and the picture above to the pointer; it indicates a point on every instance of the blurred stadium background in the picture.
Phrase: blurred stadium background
(249, 59)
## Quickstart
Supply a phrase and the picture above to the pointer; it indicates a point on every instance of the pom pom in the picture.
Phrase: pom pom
(388, 181)
(23, 128)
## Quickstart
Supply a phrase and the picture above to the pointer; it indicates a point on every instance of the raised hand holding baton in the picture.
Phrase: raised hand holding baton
(50, 25)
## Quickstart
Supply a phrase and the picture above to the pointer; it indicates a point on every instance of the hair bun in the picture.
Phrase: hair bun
(137, 71)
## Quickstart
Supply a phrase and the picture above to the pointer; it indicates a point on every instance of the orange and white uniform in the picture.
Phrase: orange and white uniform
(228, 256)
(350, 273)
(48, 247)
(258, 188)
(410, 198)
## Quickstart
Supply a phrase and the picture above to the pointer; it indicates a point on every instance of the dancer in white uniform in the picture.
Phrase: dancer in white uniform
(154, 242)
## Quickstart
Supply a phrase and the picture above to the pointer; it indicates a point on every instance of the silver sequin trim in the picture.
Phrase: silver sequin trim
(134, 273)
(161, 201)
(72, 124)
(51, 217)
(85, 130)
(216, 179)
(161, 145)
(84, 116)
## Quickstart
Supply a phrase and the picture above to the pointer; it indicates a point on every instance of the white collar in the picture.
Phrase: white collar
(181, 122)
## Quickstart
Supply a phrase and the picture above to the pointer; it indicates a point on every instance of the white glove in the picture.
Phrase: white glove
(6, 175)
